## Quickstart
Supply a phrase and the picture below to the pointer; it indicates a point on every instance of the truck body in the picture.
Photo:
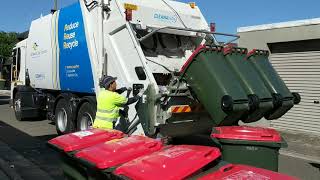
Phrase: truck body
(68, 51)
(143, 43)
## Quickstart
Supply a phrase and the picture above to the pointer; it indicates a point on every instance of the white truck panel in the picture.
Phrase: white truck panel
(122, 52)
(93, 32)
(39, 61)
(77, 67)
(61, 52)
(164, 13)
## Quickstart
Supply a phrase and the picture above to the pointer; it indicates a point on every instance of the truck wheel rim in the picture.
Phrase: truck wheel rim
(62, 119)
(86, 121)
(17, 105)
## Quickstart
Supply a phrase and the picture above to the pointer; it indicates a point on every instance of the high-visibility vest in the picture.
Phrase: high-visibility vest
(108, 106)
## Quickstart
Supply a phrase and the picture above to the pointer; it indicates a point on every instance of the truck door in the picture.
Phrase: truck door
(16, 64)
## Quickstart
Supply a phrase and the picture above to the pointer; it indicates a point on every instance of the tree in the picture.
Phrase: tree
(7, 42)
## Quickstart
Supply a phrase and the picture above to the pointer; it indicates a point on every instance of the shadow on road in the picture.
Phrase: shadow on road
(34, 119)
(34, 149)
(316, 165)
(4, 100)
(46, 137)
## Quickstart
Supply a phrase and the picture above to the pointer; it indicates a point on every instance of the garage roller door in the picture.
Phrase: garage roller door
(301, 73)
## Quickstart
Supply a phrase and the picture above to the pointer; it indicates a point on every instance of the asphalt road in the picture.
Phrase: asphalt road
(23, 147)
(24, 153)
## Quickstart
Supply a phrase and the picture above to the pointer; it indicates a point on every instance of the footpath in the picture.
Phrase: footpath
(302, 145)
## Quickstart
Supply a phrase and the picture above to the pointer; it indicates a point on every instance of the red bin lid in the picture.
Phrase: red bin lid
(175, 162)
(243, 172)
(83, 139)
(116, 152)
(246, 133)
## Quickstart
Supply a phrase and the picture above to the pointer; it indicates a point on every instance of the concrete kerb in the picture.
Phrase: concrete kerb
(4, 97)
(4, 92)
(311, 159)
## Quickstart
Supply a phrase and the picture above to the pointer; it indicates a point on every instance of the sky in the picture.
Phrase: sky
(16, 15)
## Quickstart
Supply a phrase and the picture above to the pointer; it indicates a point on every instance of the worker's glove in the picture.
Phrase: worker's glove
(141, 92)
(123, 89)
(165, 140)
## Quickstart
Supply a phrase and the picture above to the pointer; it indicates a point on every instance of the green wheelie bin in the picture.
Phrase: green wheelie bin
(239, 171)
(102, 159)
(255, 146)
(69, 144)
(260, 99)
(283, 99)
(215, 85)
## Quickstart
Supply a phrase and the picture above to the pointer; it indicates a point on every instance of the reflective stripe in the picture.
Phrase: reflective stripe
(180, 109)
(106, 119)
(109, 104)
(108, 111)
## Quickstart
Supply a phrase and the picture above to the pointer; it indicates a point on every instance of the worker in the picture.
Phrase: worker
(110, 102)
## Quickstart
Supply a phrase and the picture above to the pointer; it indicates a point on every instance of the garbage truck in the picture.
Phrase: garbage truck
(192, 81)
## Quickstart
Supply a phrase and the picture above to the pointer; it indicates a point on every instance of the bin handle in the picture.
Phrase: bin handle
(226, 168)
(208, 154)
(153, 144)
(267, 135)
(216, 141)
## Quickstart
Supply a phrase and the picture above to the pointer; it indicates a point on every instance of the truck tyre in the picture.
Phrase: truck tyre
(63, 117)
(17, 106)
(86, 116)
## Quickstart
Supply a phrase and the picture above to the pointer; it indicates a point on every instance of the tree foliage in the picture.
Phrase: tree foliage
(7, 42)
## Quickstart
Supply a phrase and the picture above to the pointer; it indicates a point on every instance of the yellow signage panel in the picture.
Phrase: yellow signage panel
(130, 6)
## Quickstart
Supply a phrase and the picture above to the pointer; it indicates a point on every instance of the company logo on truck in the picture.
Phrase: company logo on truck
(40, 76)
(69, 36)
(37, 51)
(165, 18)
(35, 46)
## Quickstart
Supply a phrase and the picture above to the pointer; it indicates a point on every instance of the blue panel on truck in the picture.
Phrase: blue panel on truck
(75, 67)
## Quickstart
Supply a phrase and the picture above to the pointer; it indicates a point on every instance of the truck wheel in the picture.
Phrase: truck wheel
(86, 116)
(17, 106)
(63, 118)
